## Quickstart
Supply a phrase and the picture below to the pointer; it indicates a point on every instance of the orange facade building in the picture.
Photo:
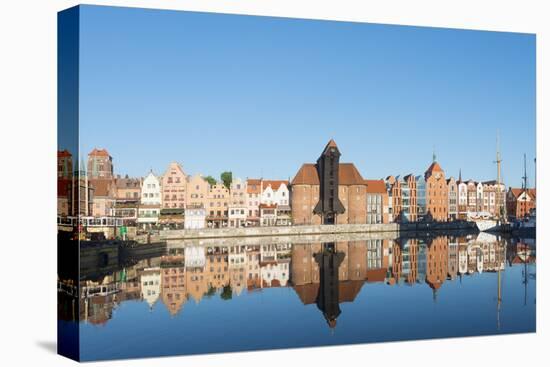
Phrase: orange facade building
(437, 194)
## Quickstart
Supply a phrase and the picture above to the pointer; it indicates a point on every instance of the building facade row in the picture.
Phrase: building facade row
(324, 192)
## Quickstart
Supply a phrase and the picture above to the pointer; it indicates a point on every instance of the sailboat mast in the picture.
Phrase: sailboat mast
(524, 172)
(499, 191)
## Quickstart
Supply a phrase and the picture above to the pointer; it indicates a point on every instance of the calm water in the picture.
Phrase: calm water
(221, 297)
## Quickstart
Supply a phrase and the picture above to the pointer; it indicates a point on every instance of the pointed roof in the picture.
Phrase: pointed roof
(434, 167)
(275, 184)
(331, 144)
(174, 165)
(517, 192)
(82, 171)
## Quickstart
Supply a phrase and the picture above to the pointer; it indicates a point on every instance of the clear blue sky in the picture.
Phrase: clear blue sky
(261, 95)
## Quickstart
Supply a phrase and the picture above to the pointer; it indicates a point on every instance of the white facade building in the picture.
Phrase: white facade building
(195, 217)
(275, 274)
(238, 204)
(237, 259)
(150, 285)
(237, 215)
(275, 192)
(150, 201)
(151, 190)
(274, 203)
(274, 264)
(479, 190)
(195, 257)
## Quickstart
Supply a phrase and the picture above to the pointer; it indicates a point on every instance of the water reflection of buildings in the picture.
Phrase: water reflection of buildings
(324, 274)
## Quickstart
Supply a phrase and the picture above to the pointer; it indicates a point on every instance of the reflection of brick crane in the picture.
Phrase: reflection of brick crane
(328, 298)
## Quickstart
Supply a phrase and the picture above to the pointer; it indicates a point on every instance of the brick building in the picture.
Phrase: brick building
(402, 190)
(437, 263)
(328, 192)
(128, 189)
(519, 202)
(174, 184)
(64, 182)
(100, 164)
(217, 214)
(437, 194)
(254, 194)
(452, 192)
(197, 191)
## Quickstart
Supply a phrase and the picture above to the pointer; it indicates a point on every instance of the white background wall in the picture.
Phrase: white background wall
(28, 119)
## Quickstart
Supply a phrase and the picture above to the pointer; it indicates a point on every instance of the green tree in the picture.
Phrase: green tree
(211, 291)
(211, 180)
(227, 178)
(227, 293)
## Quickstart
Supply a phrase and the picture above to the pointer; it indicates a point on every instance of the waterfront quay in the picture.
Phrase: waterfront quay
(377, 230)
(326, 193)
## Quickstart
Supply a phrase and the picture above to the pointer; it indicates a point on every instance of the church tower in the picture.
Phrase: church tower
(328, 165)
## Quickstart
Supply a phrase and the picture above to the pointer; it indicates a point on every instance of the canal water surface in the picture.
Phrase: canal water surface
(204, 298)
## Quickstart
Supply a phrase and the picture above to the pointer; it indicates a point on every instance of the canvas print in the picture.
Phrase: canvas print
(236, 183)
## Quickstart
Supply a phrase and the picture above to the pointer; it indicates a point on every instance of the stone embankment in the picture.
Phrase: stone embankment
(306, 230)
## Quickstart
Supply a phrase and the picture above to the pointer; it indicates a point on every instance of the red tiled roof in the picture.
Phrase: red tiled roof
(349, 289)
(517, 192)
(376, 186)
(99, 153)
(307, 292)
(435, 285)
(63, 153)
(434, 167)
(253, 186)
(347, 175)
(307, 175)
(275, 184)
(376, 275)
